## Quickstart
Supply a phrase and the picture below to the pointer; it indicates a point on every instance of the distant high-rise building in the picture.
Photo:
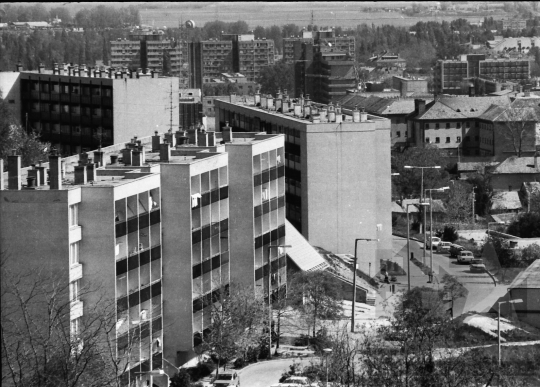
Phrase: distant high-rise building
(147, 49)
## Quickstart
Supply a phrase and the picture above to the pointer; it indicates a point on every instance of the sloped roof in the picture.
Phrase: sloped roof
(506, 200)
(397, 208)
(305, 256)
(412, 208)
(516, 164)
(528, 278)
(462, 107)
(399, 106)
(475, 166)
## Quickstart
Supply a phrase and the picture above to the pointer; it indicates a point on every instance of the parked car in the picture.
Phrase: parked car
(465, 256)
(455, 250)
(444, 247)
(433, 242)
(226, 379)
(477, 266)
(295, 381)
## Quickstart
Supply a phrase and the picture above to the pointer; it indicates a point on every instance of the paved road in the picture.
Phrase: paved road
(267, 373)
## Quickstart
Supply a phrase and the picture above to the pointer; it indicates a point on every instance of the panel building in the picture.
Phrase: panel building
(337, 168)
(77, 108)
(450, 74)
(147, 49)
(162, 231)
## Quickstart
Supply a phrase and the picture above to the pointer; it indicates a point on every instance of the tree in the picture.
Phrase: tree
(181, 379)
(518, 122)
(530, 253)
(417, 348)
(409, 181)
(278, 76)
(13, 137)
(459, 203)
(39, 343)
(237, 320)
(526, 226)
(453, 289)
(317, 296)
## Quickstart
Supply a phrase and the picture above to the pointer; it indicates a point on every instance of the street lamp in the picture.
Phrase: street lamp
(354, 277)
(270, 296)
(409, 244)
(327, 351)
(442, 189)
(518, 301)
(422, 198)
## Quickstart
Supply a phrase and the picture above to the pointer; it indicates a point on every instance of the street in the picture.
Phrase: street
(267, 373)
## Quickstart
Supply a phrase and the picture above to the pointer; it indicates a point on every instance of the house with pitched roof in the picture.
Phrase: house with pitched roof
(511, 173)
(451, 123)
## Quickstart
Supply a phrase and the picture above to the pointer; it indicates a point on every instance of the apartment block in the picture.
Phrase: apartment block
(162, 230)
(337, 169)
(78, 108)
(147, 49)
(450, 74)
(254, 56)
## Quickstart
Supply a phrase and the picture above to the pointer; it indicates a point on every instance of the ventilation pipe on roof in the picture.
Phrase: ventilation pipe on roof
(55, 176)
(257, 98)
(138, 157)
(363, 116)
(297, 110)
(270, 102)
(165, 151)
(126, 155)
(356, 114)
(91, 171)
(331, 113)
(264, 101)
(227, 133)
(42, 174)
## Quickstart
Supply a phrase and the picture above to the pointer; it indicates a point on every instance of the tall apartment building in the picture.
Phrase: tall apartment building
(231, 53)
(322, 38)
(77, 107)
(337, 168)
(161, 232)
(147, 49)
(450, 74)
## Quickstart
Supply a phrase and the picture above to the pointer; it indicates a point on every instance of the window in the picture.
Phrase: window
(74, 290)
(75, 326)
(427, 140)
(467, 124)
(458, 139)
(74, 253)
(447, 140)
(437, 126)
(458, 125)
(426, 126)
(475, 138)
(398, 134)
(437, 140)
(448, 125)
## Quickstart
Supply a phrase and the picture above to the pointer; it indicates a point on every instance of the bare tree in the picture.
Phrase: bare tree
(459, 203)
(518, 122)
(40, 342)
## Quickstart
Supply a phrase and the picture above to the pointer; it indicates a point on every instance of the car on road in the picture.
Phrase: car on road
(455, 250)
(465, 256)
(295, 381)
(477, 266)
(226, 379)
(444, 247)
(433, 242)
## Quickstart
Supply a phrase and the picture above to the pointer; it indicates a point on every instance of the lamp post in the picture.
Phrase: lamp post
(442, 189)
(409, 245)
(422, 199)
(270, 247)
(327, 351)
(354, 277)
(518, 301)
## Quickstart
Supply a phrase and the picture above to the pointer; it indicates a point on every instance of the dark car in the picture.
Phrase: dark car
(455, 250)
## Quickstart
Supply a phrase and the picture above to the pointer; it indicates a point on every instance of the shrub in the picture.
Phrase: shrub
(238, 362)
(181, 379)
(200, 371)
(449, 234)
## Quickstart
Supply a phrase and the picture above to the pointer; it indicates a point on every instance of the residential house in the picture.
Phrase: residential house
(504, 202)
(526, 287)
(511, 173)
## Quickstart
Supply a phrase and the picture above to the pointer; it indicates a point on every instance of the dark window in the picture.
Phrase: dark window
(121, 267)
(205, 199)
(121, 229)
(224, 225)
(207, 266)
(156, 253)
(447, 140)
(214, 195)
(133, 225)
(215, 262)
(155, 217)
(197, 270)
(205, 232)
(223, 192)
(437, 140)
(122, 304)
(144, 221)
(145, 257)
(133, 299)
(197, 305)
(258, 273)
(196, 236)
(133, 262)
(156, 289)
(156, 325)
(145, 294)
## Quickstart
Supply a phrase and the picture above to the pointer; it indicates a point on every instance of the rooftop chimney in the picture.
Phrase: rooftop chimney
(19, 67)
(42, 174)
(156, 140)
(55, 176)
(420, 106)
(356, 114)
(211, 138)
(34, 173)
(80, 174)
(41, 68)
(257, 98)
(91, 171)
(83, 157)
(114, 159)
(202, 138)
(264, 101)
(270, 102)
(227, 133)
(171, 139)
(30, 182)
(527, 93)
(471, 90)
(363, 116)
(165, 151)
(126, 156)
(14, 171)
(98, 158)
(138, 157)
